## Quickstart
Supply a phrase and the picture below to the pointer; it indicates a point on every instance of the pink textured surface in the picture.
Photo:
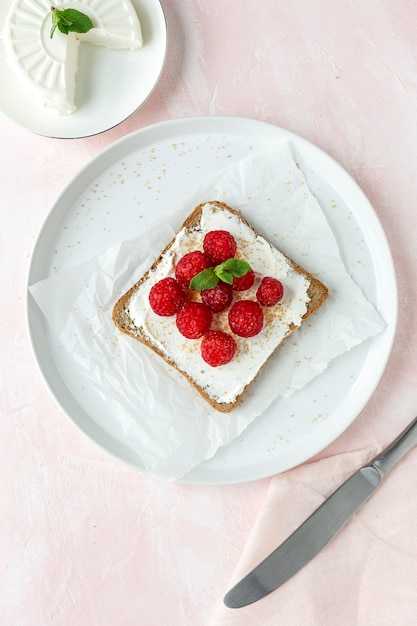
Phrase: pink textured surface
(85, 540)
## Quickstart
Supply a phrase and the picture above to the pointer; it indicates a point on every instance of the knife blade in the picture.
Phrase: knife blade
(320, 528)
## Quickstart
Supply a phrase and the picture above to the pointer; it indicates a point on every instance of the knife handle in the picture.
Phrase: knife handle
(399, 447)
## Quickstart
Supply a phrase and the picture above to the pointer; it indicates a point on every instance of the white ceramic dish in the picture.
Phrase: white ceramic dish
(111, 84)
(140, 177)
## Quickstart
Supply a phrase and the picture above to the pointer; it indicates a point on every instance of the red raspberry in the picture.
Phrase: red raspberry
(219, 245)
(270, 291)
(218, 298)
(193, 320)
(241, 283)
(217, 348)
(166, 297)
(190, 265)
(246, 318)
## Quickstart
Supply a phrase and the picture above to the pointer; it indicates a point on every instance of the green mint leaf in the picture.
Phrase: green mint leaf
(225, 276)
(55, 20)
(70, 20)
(206, 279)
(64, 25)
(209, 278)
(234, 267)
(80, 22)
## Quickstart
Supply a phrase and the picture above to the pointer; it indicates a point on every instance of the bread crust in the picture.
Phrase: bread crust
(317, 293)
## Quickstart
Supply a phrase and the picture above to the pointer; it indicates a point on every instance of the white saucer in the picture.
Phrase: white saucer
(111, 84)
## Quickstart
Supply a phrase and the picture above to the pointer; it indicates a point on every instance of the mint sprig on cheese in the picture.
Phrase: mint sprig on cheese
(209, 278)
(70, 20)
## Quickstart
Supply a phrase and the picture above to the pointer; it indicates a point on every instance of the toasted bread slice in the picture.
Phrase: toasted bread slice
(305, 294)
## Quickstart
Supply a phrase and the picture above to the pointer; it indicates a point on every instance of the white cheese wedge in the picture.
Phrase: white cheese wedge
(48, 66)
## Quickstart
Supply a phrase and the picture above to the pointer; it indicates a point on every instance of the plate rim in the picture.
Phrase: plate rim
(390, 329)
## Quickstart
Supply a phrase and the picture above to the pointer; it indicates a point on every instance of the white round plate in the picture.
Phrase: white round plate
(110, 84)
(135, 182)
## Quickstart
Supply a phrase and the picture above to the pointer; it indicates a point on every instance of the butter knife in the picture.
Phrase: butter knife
(320, 528)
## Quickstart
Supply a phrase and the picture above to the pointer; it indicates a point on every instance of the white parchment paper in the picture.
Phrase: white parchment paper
(167, 423)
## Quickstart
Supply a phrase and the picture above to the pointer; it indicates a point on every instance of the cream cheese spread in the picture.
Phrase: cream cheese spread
(225, 383)
(48, 66)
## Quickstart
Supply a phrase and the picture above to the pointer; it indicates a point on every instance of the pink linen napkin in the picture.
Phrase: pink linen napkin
(366, 576)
